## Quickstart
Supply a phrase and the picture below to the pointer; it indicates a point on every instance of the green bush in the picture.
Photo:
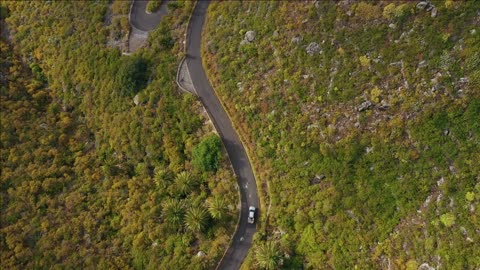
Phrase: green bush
(207, 153)
(132, 75)
(153, 6)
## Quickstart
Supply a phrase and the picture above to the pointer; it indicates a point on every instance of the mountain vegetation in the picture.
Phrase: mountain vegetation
(97, 148)
(362, 121)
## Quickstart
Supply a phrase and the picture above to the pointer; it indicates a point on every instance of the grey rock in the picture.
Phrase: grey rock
(275, 34)
(297, 39)
(423, 5)
(365, 106)
(383, 106)
(313, 48)
(425, 266)
(317, 179)
(463, 80)
(201, 254)
(136, 100)
(434, 12)
(250, 36)
(244, 42)
(392, 26)
(44, 125)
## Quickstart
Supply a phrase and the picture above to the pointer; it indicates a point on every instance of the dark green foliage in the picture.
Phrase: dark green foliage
(196, 219)
(207, 154)
(132, 75)
(268, 256)
(153, 5)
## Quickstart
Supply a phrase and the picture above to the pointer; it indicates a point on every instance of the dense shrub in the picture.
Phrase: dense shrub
(132, 75)
(153, 5)
(206, 155)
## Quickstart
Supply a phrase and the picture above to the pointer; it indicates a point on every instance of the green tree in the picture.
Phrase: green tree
(132, 75)
(268, 256)
(217, 207)
(207, 153)
(173, 213)
(196, 219)
(184, 182)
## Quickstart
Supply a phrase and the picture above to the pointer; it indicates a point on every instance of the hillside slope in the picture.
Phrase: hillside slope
(362, 121)
(104, 163)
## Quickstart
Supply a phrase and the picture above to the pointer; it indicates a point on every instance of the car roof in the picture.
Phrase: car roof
(251, 208)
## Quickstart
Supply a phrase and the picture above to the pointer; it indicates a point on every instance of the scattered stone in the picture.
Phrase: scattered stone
(317, 179)
(392, 26)
(240, 87)
(422, 64)
(201, 254)
(429, 7)
(427, 201)
(305, 76)
(368, 150)
(435, 84)
(250, 36)
(463, 80)
(383, 106)
(297, 39)
(446, 132)
(313, 48)
(425, 266)
(275, 34)
(365, 106)
(244, 42)
(423, 5)
(136, 100)
(473, 31)
(44, 125)
(441, 181)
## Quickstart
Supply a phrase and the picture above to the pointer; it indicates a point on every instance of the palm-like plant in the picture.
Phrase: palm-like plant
(217, 207)
(268, 256)
(184, 182)
(196, 219)
(173, 213)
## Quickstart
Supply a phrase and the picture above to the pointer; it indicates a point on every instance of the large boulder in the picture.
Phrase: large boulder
(250, 36)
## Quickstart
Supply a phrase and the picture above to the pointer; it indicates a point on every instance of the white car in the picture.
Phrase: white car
(251, 215)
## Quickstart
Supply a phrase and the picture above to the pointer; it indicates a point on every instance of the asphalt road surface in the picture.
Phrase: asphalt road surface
(242, 239)
(143, 21)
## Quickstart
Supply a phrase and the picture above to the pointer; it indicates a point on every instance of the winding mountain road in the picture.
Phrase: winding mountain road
(243, 236)
(242, 239)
